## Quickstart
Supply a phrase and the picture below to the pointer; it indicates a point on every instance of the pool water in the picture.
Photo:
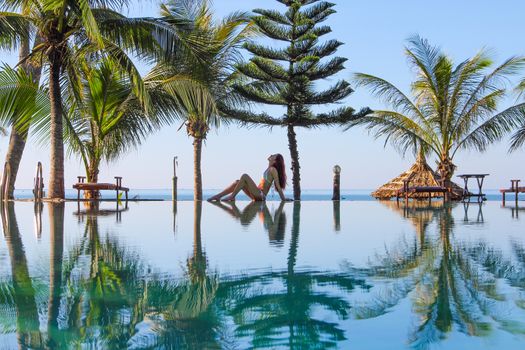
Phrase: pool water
(301, 275)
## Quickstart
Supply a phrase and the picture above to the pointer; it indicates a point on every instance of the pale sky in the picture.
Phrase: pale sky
(374, 33)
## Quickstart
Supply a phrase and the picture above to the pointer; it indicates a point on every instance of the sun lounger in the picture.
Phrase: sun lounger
(81, 185)
(408, 190)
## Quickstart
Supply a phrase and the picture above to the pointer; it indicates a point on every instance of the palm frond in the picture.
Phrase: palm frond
(494, 129)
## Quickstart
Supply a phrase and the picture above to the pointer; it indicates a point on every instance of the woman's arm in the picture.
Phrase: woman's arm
(275, 176)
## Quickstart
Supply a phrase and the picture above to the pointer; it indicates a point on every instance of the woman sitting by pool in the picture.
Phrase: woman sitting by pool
(275, 173)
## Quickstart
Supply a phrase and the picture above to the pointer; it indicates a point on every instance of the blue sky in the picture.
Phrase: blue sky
(374, 33)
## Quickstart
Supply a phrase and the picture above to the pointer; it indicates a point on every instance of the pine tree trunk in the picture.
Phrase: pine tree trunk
(56, 178)
(18, 138)
(294, 154)
(197, 175)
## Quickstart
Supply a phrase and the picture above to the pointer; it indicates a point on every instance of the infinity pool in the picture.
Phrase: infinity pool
(310, 275)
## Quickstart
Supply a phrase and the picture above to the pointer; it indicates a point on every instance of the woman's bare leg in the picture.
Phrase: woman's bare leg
(226, 191)
(247, 185)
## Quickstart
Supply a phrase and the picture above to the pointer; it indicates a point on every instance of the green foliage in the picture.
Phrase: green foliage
(21, 99)
(200, 84)
(453, 107)
(518, 138)
(286, 76)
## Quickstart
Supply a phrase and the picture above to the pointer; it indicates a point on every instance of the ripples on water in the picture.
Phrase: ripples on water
(366, 275)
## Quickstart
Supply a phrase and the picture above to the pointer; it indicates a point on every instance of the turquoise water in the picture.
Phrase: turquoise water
(309, 275)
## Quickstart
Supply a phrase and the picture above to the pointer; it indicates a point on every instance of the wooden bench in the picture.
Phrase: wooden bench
(514, 188)
(81, 185)
(408, 190)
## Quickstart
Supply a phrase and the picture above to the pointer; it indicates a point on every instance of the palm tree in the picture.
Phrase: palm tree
(453, 107)
(109, 118)
(22, 102)
(518, 138)
(18, 135)
(202, 87)
(96, 27)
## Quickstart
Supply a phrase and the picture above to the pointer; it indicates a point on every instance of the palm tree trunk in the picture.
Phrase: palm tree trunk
(92, 177)
(56, 178)
(15, 150)
(18, 138)
(294, 154)
(446, 169)
(197, 174)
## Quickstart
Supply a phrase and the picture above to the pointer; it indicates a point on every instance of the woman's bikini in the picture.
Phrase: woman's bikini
(267, 178)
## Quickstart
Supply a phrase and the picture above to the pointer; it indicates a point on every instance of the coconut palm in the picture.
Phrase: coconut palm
(95, 27)
(109, 118)
(18, 134)
(453, 107)
(518, 137)
(21, 101)
(202, 87)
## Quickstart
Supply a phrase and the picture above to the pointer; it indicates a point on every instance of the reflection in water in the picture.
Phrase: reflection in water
(102, 293)
(337, 215)
(92, 208)
(448, 289)
(182, 314)
(23, 292)
(275, 225)
(38, 207)
(289, 308)
(56, 249)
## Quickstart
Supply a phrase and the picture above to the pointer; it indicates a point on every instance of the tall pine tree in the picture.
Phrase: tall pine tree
(286, 76)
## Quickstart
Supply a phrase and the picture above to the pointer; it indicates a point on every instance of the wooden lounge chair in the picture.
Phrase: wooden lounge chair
(81, 185)
(514, 188)
(408, 190)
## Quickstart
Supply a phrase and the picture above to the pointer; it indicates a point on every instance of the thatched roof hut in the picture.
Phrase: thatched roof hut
(419, 174)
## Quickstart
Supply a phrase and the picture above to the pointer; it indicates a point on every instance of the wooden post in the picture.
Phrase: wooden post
(174, 180)
(337, 183)
(38, 183)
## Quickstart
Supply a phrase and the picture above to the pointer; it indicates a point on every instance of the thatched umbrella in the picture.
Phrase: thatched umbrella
(419, 174)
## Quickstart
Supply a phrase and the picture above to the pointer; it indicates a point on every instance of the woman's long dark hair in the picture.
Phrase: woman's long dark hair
(279, 165)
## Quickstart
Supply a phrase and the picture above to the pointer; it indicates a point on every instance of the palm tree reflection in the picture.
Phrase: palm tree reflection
(23, 294)
(183, 312)
(289, 308)
(447, 287)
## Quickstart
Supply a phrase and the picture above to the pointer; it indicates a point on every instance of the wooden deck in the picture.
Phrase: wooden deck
(81, 185)
(514, 188)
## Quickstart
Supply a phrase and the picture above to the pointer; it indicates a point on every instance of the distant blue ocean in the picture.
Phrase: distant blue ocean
(187, 195)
